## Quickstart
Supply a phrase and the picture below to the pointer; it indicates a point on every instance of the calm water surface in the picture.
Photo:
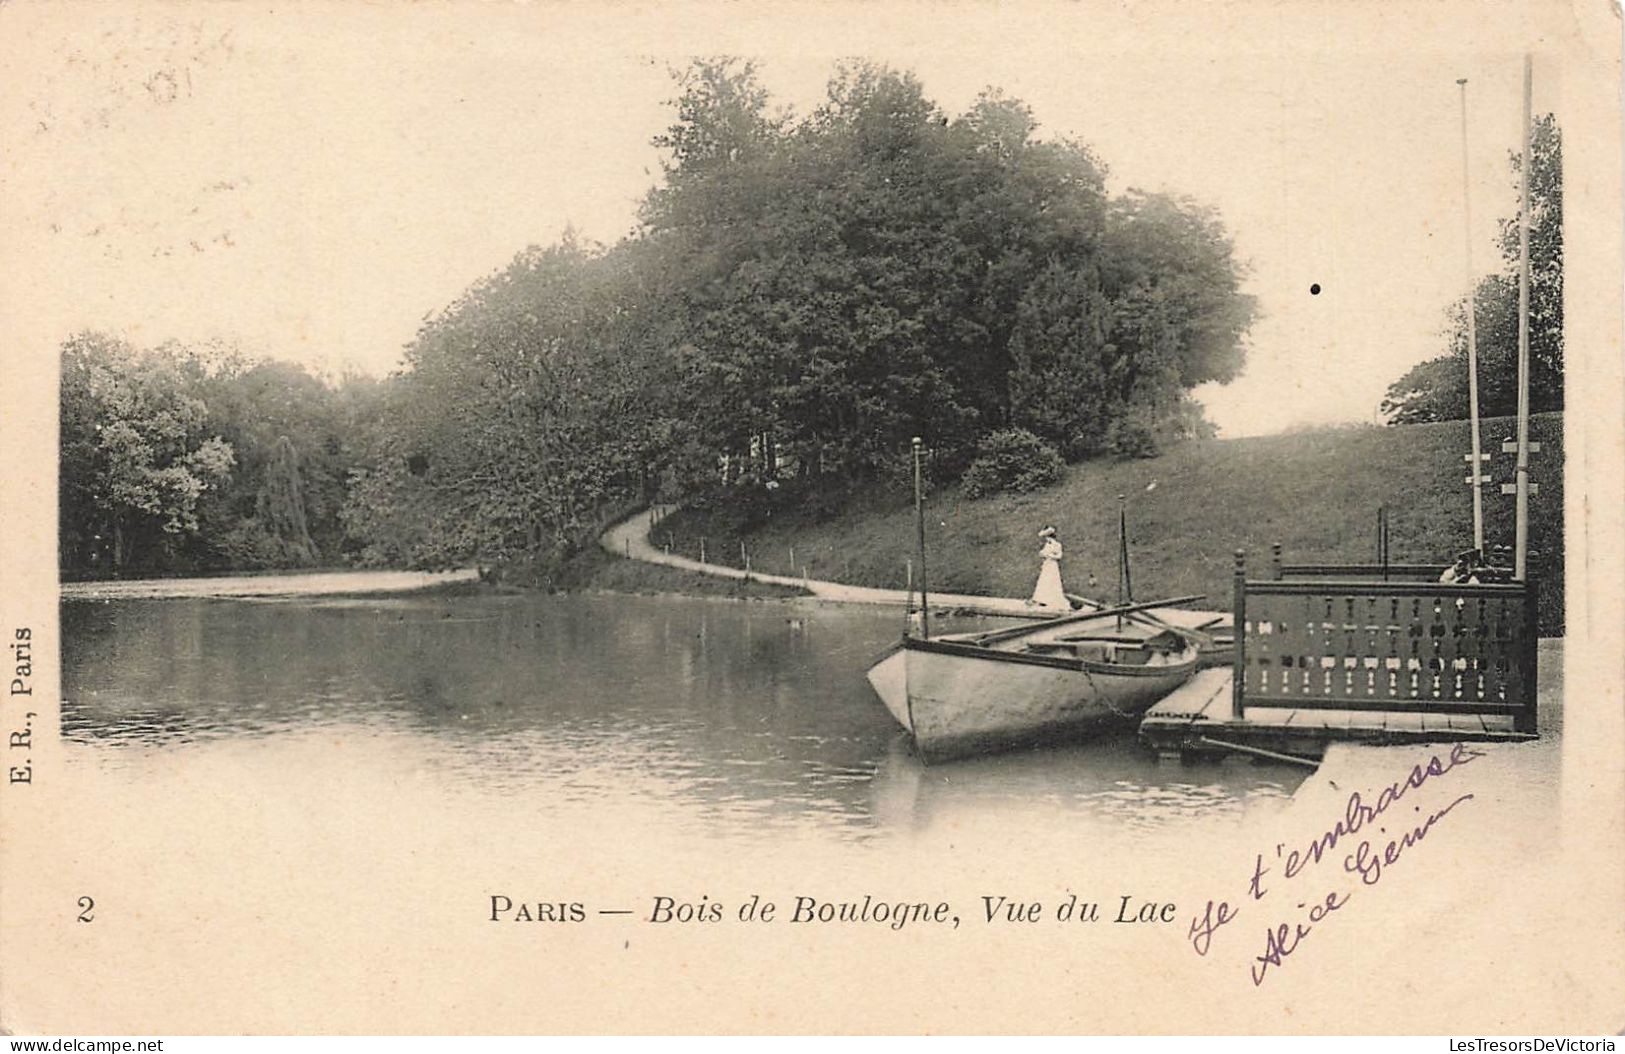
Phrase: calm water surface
(717, 716)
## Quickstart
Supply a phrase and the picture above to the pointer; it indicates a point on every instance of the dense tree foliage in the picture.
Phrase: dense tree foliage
(136, 452)
(877, 271)
(528, 407)
(1436, 390)
(803, 295)
(179, 458)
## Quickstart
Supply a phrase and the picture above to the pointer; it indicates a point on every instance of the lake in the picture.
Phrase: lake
(314, 811)
(719, 718)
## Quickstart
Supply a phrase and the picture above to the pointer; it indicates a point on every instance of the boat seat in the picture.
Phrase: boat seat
(1067, 649)
(1096, 650)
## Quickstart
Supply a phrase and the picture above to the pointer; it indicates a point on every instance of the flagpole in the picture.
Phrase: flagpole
(1475, 474)
(1520, 564)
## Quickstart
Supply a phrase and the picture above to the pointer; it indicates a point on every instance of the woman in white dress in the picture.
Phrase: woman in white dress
(1048, 592)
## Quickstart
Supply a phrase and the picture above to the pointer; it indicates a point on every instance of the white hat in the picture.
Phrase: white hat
(1047, 532)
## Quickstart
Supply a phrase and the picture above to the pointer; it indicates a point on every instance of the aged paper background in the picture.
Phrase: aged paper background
(215, 918)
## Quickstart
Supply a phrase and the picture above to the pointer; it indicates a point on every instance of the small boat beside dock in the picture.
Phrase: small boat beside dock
(973, 693)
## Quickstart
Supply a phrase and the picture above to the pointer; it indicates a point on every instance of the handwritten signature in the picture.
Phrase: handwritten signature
(1368, 859)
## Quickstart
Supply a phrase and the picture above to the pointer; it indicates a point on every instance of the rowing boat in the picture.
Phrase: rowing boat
(972, 693)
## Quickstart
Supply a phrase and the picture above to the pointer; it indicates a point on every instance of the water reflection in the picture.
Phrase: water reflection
(718, 714)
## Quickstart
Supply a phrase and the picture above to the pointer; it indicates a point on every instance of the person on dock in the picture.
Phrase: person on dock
(1048, 592)
(1465, 570)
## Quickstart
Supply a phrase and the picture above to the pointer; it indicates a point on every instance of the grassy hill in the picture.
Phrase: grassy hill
(1316, 493)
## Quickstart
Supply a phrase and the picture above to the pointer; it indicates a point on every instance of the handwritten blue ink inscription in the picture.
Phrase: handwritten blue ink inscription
(1363, 856)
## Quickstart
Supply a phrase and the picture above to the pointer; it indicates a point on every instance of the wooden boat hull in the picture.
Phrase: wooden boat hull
(958, 698)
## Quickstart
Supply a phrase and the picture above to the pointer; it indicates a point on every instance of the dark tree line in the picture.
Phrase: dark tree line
(802, 296)
(1437, 390)
(196, 459)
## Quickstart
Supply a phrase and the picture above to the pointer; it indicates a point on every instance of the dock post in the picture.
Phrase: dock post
(1275, 562)
(1238, 634)
(1527, 719)
(1385, 554)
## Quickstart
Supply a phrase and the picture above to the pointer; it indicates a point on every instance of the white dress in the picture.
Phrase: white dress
(1048, 591)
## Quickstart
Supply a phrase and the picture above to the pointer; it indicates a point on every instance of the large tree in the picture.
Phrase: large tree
(1103, 356)
(877, 270)
(297, 439)
(1437, 390)
(135, 451)
(530, 406)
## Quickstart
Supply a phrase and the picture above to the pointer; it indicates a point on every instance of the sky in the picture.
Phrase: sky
(311, 180)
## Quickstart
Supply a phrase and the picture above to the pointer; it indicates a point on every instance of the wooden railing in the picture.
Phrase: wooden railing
(1338, 637)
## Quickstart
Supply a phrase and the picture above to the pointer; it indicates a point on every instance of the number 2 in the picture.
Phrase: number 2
(85, 905)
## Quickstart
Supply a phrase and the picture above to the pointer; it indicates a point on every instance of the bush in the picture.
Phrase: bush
(1011, 460)
(1132, 436)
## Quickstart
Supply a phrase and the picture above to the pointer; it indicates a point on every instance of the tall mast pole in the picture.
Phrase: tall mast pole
(1122, 546)
(1520, 565)
(1125, 584)
(919, 520)
(1475, 471)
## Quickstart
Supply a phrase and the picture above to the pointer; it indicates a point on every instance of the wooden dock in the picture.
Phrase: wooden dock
(1198, 720)
(1381, 654)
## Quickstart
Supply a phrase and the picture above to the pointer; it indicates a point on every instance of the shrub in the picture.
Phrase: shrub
(1011, 460)
(1132, 436)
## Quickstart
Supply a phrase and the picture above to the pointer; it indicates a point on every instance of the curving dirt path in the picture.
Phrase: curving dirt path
(630, 538)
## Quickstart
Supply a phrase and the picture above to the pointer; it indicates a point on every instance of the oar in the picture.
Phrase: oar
(1080, 616)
